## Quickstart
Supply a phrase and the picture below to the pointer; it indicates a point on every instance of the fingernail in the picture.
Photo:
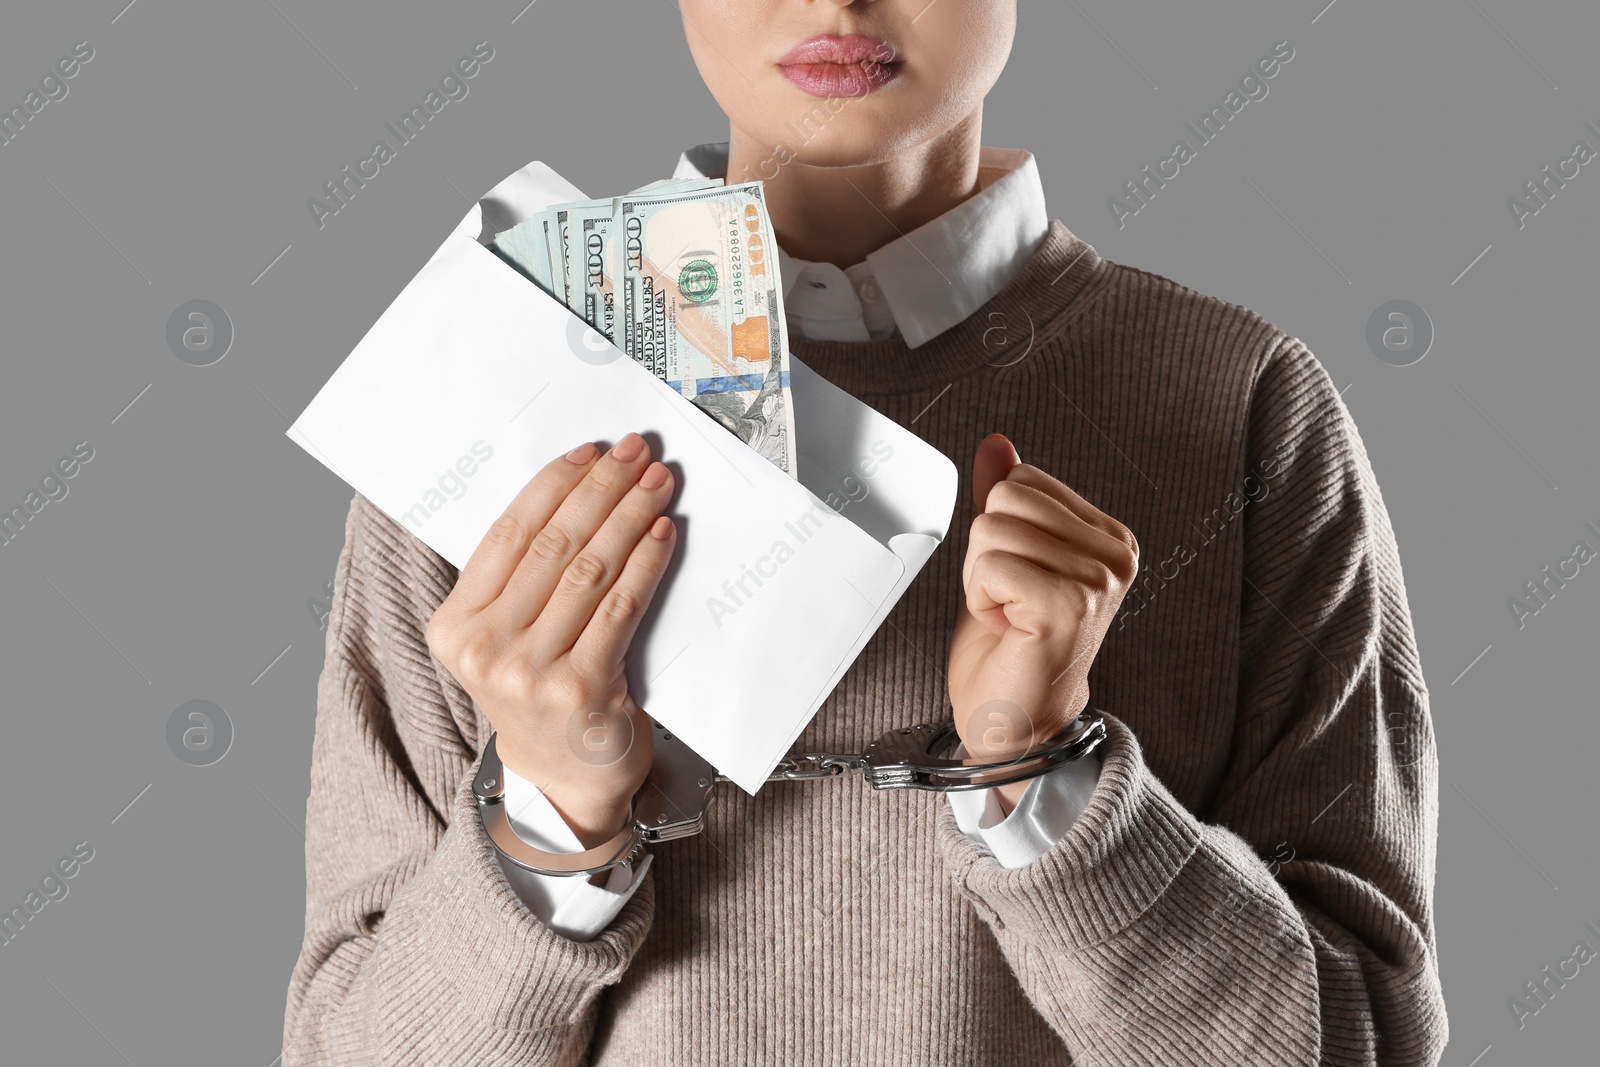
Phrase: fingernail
(661, 529)
(627, 450)
(583, 453)
(655, 476)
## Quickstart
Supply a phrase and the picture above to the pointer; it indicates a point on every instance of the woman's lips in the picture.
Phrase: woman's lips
(831, 65)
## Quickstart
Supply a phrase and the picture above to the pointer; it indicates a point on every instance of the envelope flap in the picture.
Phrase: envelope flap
(880, 475)
(520, 195)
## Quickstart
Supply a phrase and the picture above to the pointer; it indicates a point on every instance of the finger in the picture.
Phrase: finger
(1031, 505)
(506, 542)
(1031, 476)
(559, 541)
(994, 458)
(1009, 591)
(1071, 557)
(595, 570)
(604, 642)
(1047, 512)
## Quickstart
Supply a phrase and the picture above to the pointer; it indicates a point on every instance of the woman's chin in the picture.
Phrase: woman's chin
(861, 149)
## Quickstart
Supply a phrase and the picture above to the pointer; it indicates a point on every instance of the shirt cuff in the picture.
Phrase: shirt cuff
(568, 904)
(1048, 808)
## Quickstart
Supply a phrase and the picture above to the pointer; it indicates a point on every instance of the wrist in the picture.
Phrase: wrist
(592, 822)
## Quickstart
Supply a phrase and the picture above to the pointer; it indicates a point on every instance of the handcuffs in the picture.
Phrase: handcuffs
(671, 803)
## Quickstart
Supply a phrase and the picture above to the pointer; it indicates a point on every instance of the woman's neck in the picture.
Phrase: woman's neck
(839, 214)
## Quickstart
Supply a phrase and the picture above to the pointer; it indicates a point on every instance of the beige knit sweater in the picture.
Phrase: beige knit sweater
(1252, 882)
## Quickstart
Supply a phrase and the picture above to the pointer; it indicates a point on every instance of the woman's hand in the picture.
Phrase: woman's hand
(1044, 575)
(540, 619)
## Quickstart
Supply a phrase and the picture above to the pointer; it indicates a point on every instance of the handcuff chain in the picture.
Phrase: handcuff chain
(808, 766)
(672, 801)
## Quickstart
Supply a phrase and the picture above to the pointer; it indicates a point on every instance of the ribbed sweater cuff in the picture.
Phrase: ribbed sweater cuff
(1114, 863)
(510, 970)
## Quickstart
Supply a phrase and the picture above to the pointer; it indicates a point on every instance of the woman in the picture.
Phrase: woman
(1243, 875)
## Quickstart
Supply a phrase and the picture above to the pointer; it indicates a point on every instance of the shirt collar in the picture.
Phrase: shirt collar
(940, 273)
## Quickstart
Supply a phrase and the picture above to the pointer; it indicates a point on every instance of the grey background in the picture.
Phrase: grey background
(180, 565)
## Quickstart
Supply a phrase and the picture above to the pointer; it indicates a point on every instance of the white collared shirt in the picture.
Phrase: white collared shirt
(924, 282)
(917, 286)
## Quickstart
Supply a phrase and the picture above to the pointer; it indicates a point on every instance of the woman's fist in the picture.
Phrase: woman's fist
(1044, 575)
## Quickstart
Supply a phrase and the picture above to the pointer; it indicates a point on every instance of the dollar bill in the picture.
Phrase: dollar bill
(524, 246)
(589, 269)
(589, 261)
(558, 236)
(527, 247)
(701, 306)
(697, 274)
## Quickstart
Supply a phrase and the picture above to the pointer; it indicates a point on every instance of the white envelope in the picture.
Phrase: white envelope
(474, 378)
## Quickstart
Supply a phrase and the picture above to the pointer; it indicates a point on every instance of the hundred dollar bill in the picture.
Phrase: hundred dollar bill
(589, 271)
(558, 236)
(702, 307)
(589, 261)
(524, 246)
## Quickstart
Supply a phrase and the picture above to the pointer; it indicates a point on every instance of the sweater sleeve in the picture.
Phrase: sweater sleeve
(571, 906)
(1045, 811)
(416, 949)
(1290, 920)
